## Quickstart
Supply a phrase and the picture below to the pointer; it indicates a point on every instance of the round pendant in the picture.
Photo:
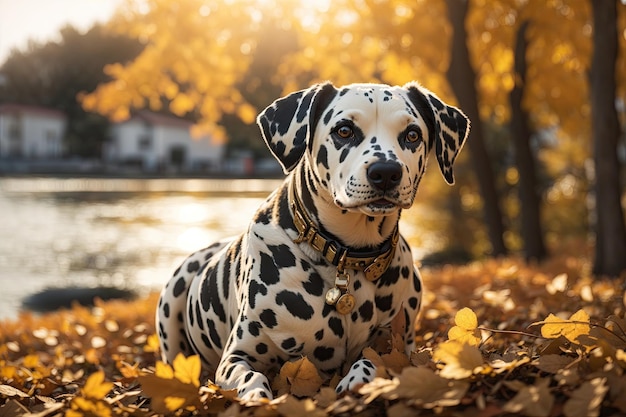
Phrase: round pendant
(345, 304)
(333, 295)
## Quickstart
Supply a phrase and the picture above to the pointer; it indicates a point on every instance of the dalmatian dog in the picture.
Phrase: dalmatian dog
(322, 269)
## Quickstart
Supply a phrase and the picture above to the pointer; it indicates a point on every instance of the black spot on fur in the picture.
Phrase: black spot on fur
(268, 317)
(193, 266)
(254, 328)
(283, 258)
(315, 284)
(323, 353)
(288, 344)
(295, 304)
(366, 311)
(335, 325)
(384, 303)
(269, 270)
(179, 287)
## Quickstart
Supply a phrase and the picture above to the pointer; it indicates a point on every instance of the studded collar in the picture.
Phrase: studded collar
(372, 263)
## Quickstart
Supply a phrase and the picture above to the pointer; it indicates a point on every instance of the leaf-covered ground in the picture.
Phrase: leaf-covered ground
(495, 337)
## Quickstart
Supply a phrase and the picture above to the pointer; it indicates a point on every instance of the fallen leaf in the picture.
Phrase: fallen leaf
(558, 284)
(586, 400)
(466, 330)
(532, 400)
(461, 360)
(95, 387)
(553, 363)
(572, 328)
(299, 377)
(421, 386)
(291, 406)
(187, 369)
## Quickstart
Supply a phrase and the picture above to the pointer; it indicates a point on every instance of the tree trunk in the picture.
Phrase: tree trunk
(528, 192)
(610, 252)
(461, 77)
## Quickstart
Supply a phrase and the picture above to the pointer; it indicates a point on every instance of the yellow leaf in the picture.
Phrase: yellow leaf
(163, 370)
(187, 369)
(174, 403)
(466, 319)
(466, 329)
(31, 361)
(461, 360)
(572, 328)
(152, 344)
(95, 387)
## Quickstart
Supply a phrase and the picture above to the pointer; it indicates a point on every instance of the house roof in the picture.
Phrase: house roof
(13, 108)
(161, 119)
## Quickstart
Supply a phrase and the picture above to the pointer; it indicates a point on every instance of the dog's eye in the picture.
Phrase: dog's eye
(345, 132)
(412, 135)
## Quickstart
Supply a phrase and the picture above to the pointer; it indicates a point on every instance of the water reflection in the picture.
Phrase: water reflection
(59, 232)
(120, 232)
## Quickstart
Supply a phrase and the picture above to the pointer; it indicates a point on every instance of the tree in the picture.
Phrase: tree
(531, 230)
(610, 231)
(462, 79)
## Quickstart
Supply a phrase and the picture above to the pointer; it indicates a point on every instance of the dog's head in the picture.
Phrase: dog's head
(366, 143)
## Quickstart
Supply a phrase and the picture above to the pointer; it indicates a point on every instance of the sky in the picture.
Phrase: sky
(40, 20)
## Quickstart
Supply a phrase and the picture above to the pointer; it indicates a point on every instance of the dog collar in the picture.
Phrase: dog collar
(372, 263)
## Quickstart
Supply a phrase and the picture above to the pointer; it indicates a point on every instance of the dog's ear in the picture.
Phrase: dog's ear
(451, 127)
(288, 124)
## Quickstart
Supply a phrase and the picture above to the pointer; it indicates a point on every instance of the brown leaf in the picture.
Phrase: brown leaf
(533, 400)
(423, 387)
(294, 407)
(300, 378)
(553, 363)
(396, 361)
(586, 400)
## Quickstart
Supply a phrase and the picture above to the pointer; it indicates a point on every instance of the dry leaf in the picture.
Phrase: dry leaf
(532, 400)
(187, 369)
(423, 387)
(461, 360)
(95, 387)
(300, 378)
(558, 284)
(552, 363)
(586, 400)
(572, 328)
(290, 406)
(465, 330)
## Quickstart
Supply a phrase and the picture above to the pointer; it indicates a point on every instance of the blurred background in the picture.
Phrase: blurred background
(127, 134)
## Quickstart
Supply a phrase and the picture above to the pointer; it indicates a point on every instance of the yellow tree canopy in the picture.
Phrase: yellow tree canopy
(197, 50)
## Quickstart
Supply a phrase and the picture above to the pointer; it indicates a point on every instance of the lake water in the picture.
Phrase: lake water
(123, 232)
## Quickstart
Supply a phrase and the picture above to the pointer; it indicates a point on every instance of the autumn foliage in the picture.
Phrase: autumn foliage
(495, 337)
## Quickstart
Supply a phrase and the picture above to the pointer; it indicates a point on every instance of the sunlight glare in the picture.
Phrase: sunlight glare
(193, 239)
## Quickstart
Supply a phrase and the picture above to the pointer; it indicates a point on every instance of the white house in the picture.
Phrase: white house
(31, 132)
(155, 142)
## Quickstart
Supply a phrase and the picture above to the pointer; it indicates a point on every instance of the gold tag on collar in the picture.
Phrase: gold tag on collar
(345, 304)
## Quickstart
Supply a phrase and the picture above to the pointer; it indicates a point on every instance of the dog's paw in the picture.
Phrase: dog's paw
(254, 388)
(362, 372)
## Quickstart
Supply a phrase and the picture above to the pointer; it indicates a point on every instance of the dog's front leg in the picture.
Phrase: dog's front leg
(235, 372)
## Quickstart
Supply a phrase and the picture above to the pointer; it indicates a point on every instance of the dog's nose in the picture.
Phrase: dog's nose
(384, 175)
